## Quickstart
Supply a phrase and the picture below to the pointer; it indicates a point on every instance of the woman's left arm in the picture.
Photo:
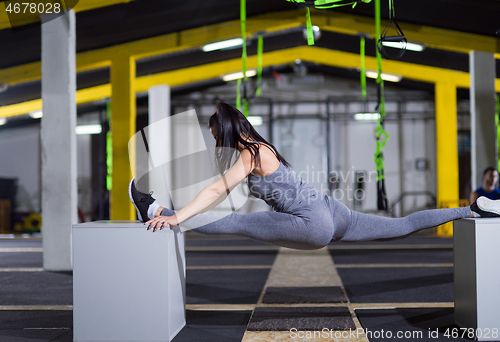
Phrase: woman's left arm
(206, 197)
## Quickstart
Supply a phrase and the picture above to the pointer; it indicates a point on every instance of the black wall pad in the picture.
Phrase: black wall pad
(36, 288)
(21, 259)
(398, 285)
(230, 258)
(391, 256)
(419, 324)
(297, 295)
(213, 326)
(410, 240)
(301, 318)
(225, 286)
(196, 242)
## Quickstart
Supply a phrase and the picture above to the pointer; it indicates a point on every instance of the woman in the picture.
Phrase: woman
(303, 217)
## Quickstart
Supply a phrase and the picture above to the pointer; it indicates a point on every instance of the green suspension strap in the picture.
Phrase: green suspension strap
(381, 135)
(322, 4)
(497, 120)
(362, 45)
(260, 50)
(243, 21)
(310, 33)
(399, 37)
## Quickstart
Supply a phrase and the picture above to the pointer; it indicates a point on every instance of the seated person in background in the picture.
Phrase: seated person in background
(489, 188)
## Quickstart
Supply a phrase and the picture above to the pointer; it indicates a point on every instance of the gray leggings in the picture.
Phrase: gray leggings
(317, 225)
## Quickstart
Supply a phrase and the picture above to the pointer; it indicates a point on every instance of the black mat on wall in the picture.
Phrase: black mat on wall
(398, 285)
(237, 286)
(195, 258)
(409, 240)
(391, 256)
(419, 324)
(212, 242)
(297, 295)
(301, 318)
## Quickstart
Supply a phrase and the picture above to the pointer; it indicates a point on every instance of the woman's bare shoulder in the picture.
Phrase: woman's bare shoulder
(268, 161)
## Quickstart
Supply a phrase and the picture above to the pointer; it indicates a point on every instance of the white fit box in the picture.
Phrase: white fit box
(476, 253)
(128, 283)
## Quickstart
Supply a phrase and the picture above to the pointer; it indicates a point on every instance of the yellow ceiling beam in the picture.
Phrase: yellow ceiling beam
(311, 54)
(83, 5)
(271, 22)
(432, 37)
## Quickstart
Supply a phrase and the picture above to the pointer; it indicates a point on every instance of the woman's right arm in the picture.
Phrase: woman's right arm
(211, 195)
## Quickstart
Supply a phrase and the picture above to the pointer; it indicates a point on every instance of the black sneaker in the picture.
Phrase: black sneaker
(140, 200)
(486, 207)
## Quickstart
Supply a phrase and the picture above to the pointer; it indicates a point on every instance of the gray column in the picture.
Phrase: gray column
(58, 140)
(482, 110)
(160, 139)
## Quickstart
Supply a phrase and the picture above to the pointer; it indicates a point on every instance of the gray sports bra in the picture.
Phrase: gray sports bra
(283, 189)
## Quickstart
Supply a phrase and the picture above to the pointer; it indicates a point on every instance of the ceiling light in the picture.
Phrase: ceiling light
(3, 121)
(88, 129)
(36, 114)
(236, 75)
(255, 120)
(225, 44)
(401, 45)
(316, 32)
(385, 76)
(366, 116)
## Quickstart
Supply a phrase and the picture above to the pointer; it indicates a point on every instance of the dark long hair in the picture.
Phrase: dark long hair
(232, 128)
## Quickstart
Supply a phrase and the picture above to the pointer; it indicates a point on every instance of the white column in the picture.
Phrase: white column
(482, 110)
(58, 140)
(159, 108)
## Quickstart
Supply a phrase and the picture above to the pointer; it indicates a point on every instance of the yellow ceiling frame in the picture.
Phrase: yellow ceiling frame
(335, 58)
(266, 23)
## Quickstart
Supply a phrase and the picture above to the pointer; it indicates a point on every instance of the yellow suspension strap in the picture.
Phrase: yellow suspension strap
(322, 4)
(381, 135)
